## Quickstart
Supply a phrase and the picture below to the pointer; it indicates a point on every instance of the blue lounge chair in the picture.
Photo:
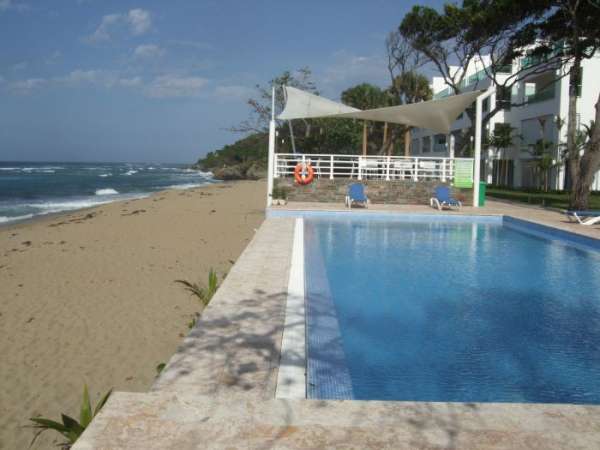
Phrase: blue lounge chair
(356, 195)
(443, 199)
(584, 217)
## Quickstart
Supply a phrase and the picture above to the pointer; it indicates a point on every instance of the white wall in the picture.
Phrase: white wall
(523, 119)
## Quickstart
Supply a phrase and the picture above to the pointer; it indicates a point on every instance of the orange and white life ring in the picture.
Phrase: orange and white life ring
(304, 173)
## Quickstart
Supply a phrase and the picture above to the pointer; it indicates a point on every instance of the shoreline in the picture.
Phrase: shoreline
(4, 225)
(88, 295)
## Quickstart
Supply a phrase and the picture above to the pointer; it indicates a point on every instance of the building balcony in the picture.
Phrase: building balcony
(542, 96)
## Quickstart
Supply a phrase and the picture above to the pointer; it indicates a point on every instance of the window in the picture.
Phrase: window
(485, 106)
(439, 143)
(503, 97)
(415, 147)
(426, 144)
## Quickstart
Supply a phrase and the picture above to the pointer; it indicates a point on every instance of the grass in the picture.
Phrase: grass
(554, 199)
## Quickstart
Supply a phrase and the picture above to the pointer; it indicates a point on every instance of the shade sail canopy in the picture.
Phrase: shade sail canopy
(437, 115)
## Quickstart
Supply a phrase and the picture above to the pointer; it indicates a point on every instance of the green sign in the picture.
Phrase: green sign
(463, 173)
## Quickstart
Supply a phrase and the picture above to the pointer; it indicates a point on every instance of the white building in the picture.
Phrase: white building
(517, 166)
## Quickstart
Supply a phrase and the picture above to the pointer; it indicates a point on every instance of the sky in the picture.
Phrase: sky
(163, 80)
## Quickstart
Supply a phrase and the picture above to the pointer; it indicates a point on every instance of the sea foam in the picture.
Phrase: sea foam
(185, 186)
(5, 219)
(107, 191)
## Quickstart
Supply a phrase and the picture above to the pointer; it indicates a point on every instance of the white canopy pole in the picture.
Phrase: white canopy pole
(477, 156)
(271, 157)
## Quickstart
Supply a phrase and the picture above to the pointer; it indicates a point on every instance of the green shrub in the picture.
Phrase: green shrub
(70, 428)
(204, 294)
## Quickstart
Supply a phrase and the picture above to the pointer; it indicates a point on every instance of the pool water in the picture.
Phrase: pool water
(472, 311)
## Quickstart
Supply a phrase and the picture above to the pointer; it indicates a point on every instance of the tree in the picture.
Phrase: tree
(501, 139)
(407, 85)
(366, 96)
(460, 36)
(553, 35)
(260, 107)
(574, 23)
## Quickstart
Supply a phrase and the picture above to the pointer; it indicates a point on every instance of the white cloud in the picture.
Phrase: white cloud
(148, 51)
(79, 76)
(103, 78)
(26, 86)
(53, 57)
(234, 92)
(102, 33)
(15, 5)
(130, 82)
(164, 86)
(347, 69)
(19, 66)
(139, 21)
(193, 44)
(175, 86)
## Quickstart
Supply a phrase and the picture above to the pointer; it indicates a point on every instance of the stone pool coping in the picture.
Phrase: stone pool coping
(218, 390)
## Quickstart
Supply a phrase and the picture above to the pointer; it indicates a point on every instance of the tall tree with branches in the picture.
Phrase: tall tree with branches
(260, 106)
(464, 36)
(554, 35)
(407, 84)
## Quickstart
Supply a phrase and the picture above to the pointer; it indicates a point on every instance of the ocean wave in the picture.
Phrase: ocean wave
(130, 172)
(185, 186)
(41, 169)
(104, 175)
(6, 219)
(107, 191)
(67, 205)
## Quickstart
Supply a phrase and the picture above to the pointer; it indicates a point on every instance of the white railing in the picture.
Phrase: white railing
(368, 167)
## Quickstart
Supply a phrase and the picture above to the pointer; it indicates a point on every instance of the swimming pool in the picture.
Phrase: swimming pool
(462, 309)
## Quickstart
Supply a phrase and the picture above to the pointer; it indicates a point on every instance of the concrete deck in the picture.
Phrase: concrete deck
(218, 390)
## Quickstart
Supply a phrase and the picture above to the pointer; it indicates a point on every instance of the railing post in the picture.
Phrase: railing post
(415, 172)
(331, 168)
(359, 169)
(387, 172)
(271, 160)
(443, 170)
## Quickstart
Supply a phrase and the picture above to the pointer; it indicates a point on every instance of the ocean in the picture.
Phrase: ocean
(31, 189)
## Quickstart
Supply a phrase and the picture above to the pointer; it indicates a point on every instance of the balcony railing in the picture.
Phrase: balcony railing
(546, 94)
(368, 167)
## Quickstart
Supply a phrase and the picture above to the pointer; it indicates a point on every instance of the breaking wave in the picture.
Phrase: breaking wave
(106, 191)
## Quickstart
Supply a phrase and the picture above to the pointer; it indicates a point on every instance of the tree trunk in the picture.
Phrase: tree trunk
(364, 143)
(587, 166)
(407, 142)
(572, 149)
(584, 168)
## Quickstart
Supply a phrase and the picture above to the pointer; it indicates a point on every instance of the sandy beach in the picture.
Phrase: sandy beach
(89, 296)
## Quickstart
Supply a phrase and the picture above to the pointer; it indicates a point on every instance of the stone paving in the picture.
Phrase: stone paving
(218, 390)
